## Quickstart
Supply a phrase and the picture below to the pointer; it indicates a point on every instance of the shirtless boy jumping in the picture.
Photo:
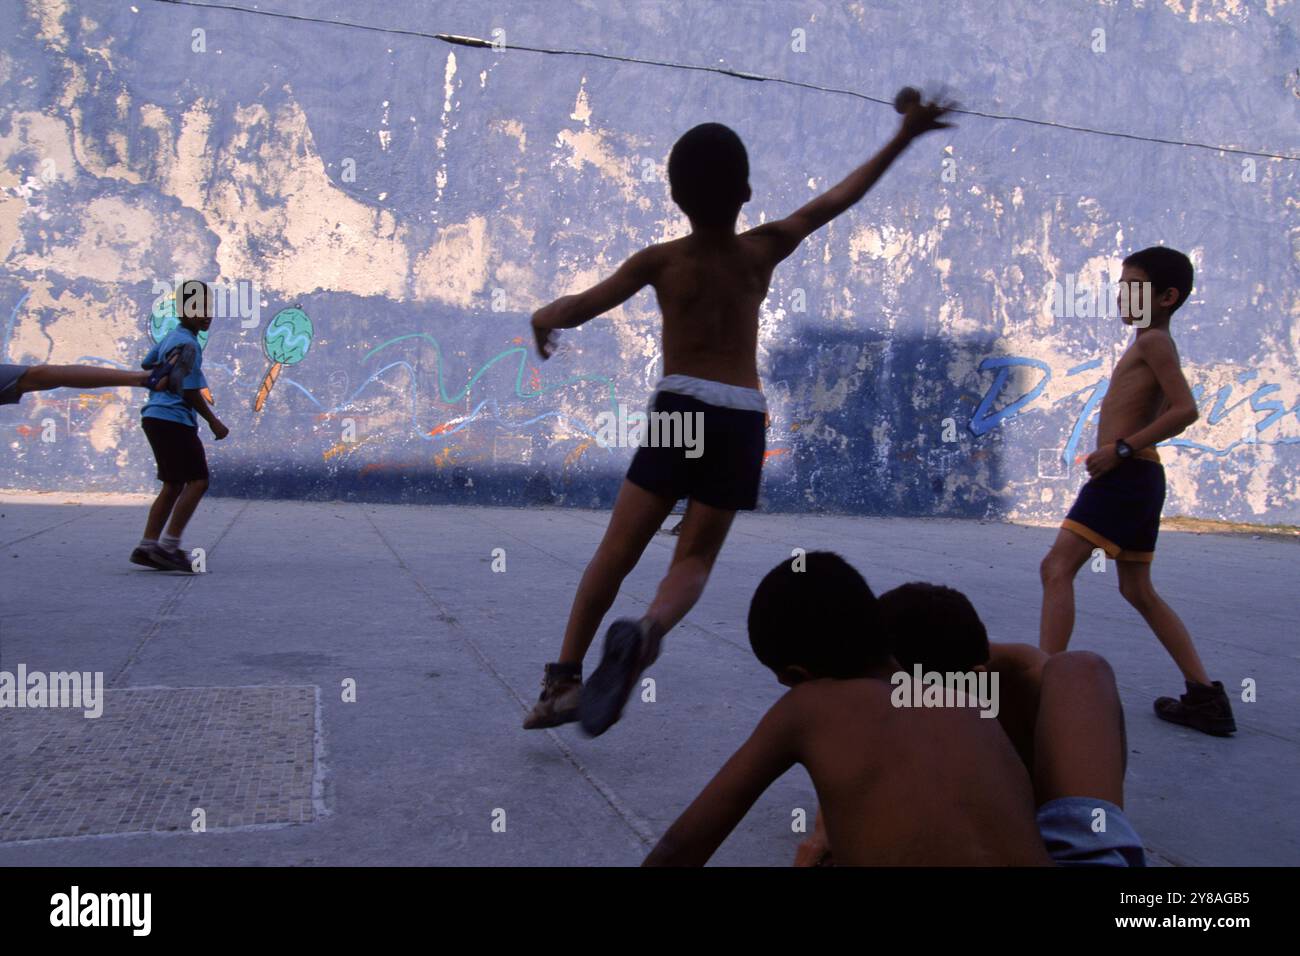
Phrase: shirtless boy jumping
(709, 285)
(1118, 510)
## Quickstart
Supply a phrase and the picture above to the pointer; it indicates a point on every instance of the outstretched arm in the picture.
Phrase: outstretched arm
(784, 235)
(700, 830)
(570, 311)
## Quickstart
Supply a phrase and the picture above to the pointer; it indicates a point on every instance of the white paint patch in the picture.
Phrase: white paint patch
(455, 269)
(582, 108)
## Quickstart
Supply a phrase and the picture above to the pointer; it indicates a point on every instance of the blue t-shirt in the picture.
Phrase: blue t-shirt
(165, 404)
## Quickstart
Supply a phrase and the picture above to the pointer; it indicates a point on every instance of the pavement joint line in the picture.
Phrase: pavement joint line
(684, 623)
(630, 819)
(172, 601)
(52, 527)
(1166, 858)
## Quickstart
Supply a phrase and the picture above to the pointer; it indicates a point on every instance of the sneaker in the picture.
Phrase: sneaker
(1204, 707)
(558, 704)
(181, 362)
(141, 556)
(627, 654)
(169, 559)
(159, 377)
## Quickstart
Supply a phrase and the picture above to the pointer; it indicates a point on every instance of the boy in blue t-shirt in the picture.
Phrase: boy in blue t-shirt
(170, 422)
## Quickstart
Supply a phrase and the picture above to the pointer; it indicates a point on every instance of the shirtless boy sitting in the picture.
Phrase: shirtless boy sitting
(1118, 510)
(919, 786)
(937, 629)
(710, 285)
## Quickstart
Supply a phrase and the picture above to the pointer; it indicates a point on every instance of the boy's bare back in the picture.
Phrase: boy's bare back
(886, 777)
(897, 786)
(709, 291)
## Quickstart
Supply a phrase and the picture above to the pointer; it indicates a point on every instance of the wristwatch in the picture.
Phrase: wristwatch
(1123, 449)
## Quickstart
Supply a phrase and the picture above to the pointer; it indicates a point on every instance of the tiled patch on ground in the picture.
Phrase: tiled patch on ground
(244, 755)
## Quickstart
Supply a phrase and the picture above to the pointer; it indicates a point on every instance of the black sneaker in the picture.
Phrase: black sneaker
(1204, 707)
(170, 559)
(141, 556)
(625, 657)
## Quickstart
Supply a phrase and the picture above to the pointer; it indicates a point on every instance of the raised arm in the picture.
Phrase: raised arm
(784, 235)
(700, 830)
(570, 311)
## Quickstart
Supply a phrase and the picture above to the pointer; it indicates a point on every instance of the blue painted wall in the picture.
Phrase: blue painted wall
(417, 200)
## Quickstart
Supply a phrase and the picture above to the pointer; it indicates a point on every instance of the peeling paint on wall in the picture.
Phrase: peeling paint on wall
(910, 352)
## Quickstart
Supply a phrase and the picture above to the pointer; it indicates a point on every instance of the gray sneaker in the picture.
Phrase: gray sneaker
(561, 691)
(169, 559)
(182, 361)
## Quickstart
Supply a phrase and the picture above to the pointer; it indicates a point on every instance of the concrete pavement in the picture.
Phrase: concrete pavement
(429, 766)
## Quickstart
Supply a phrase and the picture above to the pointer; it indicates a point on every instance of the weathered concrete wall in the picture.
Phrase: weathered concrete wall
(416, 200)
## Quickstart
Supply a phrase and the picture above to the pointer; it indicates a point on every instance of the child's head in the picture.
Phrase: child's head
(708, 170)
(815, 616)
(194, 305)
(1170, 274)
(934, 626)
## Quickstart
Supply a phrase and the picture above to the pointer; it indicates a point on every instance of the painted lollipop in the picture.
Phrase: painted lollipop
(287, 339)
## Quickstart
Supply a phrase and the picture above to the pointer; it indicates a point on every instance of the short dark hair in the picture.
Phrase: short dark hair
(818, 613)
(193, 295)
(934, 626)
(708, 170)
(1167, 269)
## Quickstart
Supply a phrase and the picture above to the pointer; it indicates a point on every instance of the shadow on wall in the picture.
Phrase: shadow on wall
(863, 422)
(877, 424)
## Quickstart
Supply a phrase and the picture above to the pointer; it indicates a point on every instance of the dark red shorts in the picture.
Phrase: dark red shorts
(177, 449)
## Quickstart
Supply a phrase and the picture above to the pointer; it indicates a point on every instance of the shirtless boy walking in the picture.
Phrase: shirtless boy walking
(709, 285)
(1118, 510)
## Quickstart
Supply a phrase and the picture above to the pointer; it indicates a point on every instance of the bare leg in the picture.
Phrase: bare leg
(1135, 585)
(704, 529)
(40, 378)
(189, 500)
(161, 509)
(631, 647)
(1079, 744)
(638, 514)
(1058, 569)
